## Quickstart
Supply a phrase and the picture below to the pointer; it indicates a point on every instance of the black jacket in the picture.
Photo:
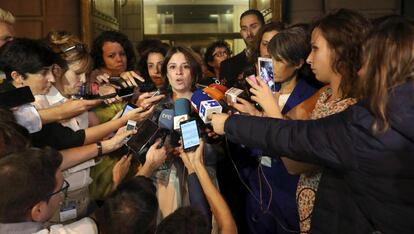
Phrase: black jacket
(368, 180)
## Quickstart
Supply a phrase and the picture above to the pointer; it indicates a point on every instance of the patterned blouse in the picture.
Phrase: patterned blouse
(308, 184)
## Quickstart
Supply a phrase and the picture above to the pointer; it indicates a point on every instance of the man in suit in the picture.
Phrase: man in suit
(250, 23)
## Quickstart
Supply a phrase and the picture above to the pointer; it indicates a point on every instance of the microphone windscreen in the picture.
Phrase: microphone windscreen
(220, 87)
(214, 93)
(166, 119)
(197, 97)
(182, 107)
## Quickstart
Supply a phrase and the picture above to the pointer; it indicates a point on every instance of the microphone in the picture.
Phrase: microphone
(232, 94)
(166, 119)
(205, 105)
(166, 125)
(197, 97)
(182, 110)
(220, 87)
(214, 93)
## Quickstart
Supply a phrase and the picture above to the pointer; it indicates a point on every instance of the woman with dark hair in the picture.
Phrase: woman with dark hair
(335, 59)
(181, 70)
(288, 49)
(113, 53)
(150, 63)
(113, 56)
(366, 151)
(262, 39)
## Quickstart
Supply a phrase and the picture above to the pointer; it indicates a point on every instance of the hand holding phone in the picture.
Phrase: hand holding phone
(266, 72)
(190, 135)
(145, 134)
(127, 108)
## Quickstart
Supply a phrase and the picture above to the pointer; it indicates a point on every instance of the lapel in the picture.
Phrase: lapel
(301, 92)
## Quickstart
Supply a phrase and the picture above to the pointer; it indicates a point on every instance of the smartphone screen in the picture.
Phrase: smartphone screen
(266, 72)
(145, 132)
(16, 97)
(190, 136)
(128, 107)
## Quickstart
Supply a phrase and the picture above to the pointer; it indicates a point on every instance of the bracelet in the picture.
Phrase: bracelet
(99, 146)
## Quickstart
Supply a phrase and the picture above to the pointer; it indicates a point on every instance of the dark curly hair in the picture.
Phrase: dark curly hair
(345, 30)
(208, 56)
(112, 36)
(142, 63)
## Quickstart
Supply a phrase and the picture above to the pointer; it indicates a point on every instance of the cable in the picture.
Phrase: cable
(252, 194)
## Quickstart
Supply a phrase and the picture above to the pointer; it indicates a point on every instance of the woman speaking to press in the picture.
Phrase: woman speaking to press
(366, 151)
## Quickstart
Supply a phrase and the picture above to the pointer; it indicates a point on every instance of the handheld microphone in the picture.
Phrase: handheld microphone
(205, 105)
(214, 93)
(220, 87)
(166, 119)
(166, 125)
(182, 112)
(197, 97)
(233, 93)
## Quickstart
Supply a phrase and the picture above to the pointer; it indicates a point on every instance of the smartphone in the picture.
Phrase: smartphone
(266, 72)
(16, 97)
(126, 92)
(127, 108)
(146, 86)
(190, 135)
(145, 134)
(90, 91)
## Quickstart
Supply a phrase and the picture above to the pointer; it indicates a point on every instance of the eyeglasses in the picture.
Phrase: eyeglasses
(64, 189)
(221, 54)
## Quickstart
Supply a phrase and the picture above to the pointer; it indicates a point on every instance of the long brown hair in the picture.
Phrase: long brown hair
(389, 62)
(345, 31)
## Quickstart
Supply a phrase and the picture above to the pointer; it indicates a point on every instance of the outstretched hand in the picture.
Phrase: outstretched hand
(262, 94)
(217, 121)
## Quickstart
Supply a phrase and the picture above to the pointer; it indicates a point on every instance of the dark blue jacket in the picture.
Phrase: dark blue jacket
(368, 179)
(276, 183)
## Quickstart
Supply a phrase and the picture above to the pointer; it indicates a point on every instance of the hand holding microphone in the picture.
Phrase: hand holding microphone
(205, 105)
(182, 111)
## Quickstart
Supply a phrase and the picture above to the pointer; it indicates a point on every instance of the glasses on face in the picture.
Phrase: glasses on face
(221, 54)
(64, 189)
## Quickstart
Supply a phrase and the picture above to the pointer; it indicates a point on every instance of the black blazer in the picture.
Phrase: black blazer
(368, 180)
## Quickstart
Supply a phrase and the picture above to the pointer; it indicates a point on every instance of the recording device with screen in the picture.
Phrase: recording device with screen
(266, 72)
(16, 97)
(190, 135)
(127, 108)
(145, 134)
(90, 91)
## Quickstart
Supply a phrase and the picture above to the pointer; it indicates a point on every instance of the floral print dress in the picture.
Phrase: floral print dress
(308, 184)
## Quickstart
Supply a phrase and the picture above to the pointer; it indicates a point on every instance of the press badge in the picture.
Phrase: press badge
(68, 211)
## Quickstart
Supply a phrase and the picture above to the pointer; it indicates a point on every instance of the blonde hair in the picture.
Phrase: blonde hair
(6, 16)
(71, 49)
(389, 62)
